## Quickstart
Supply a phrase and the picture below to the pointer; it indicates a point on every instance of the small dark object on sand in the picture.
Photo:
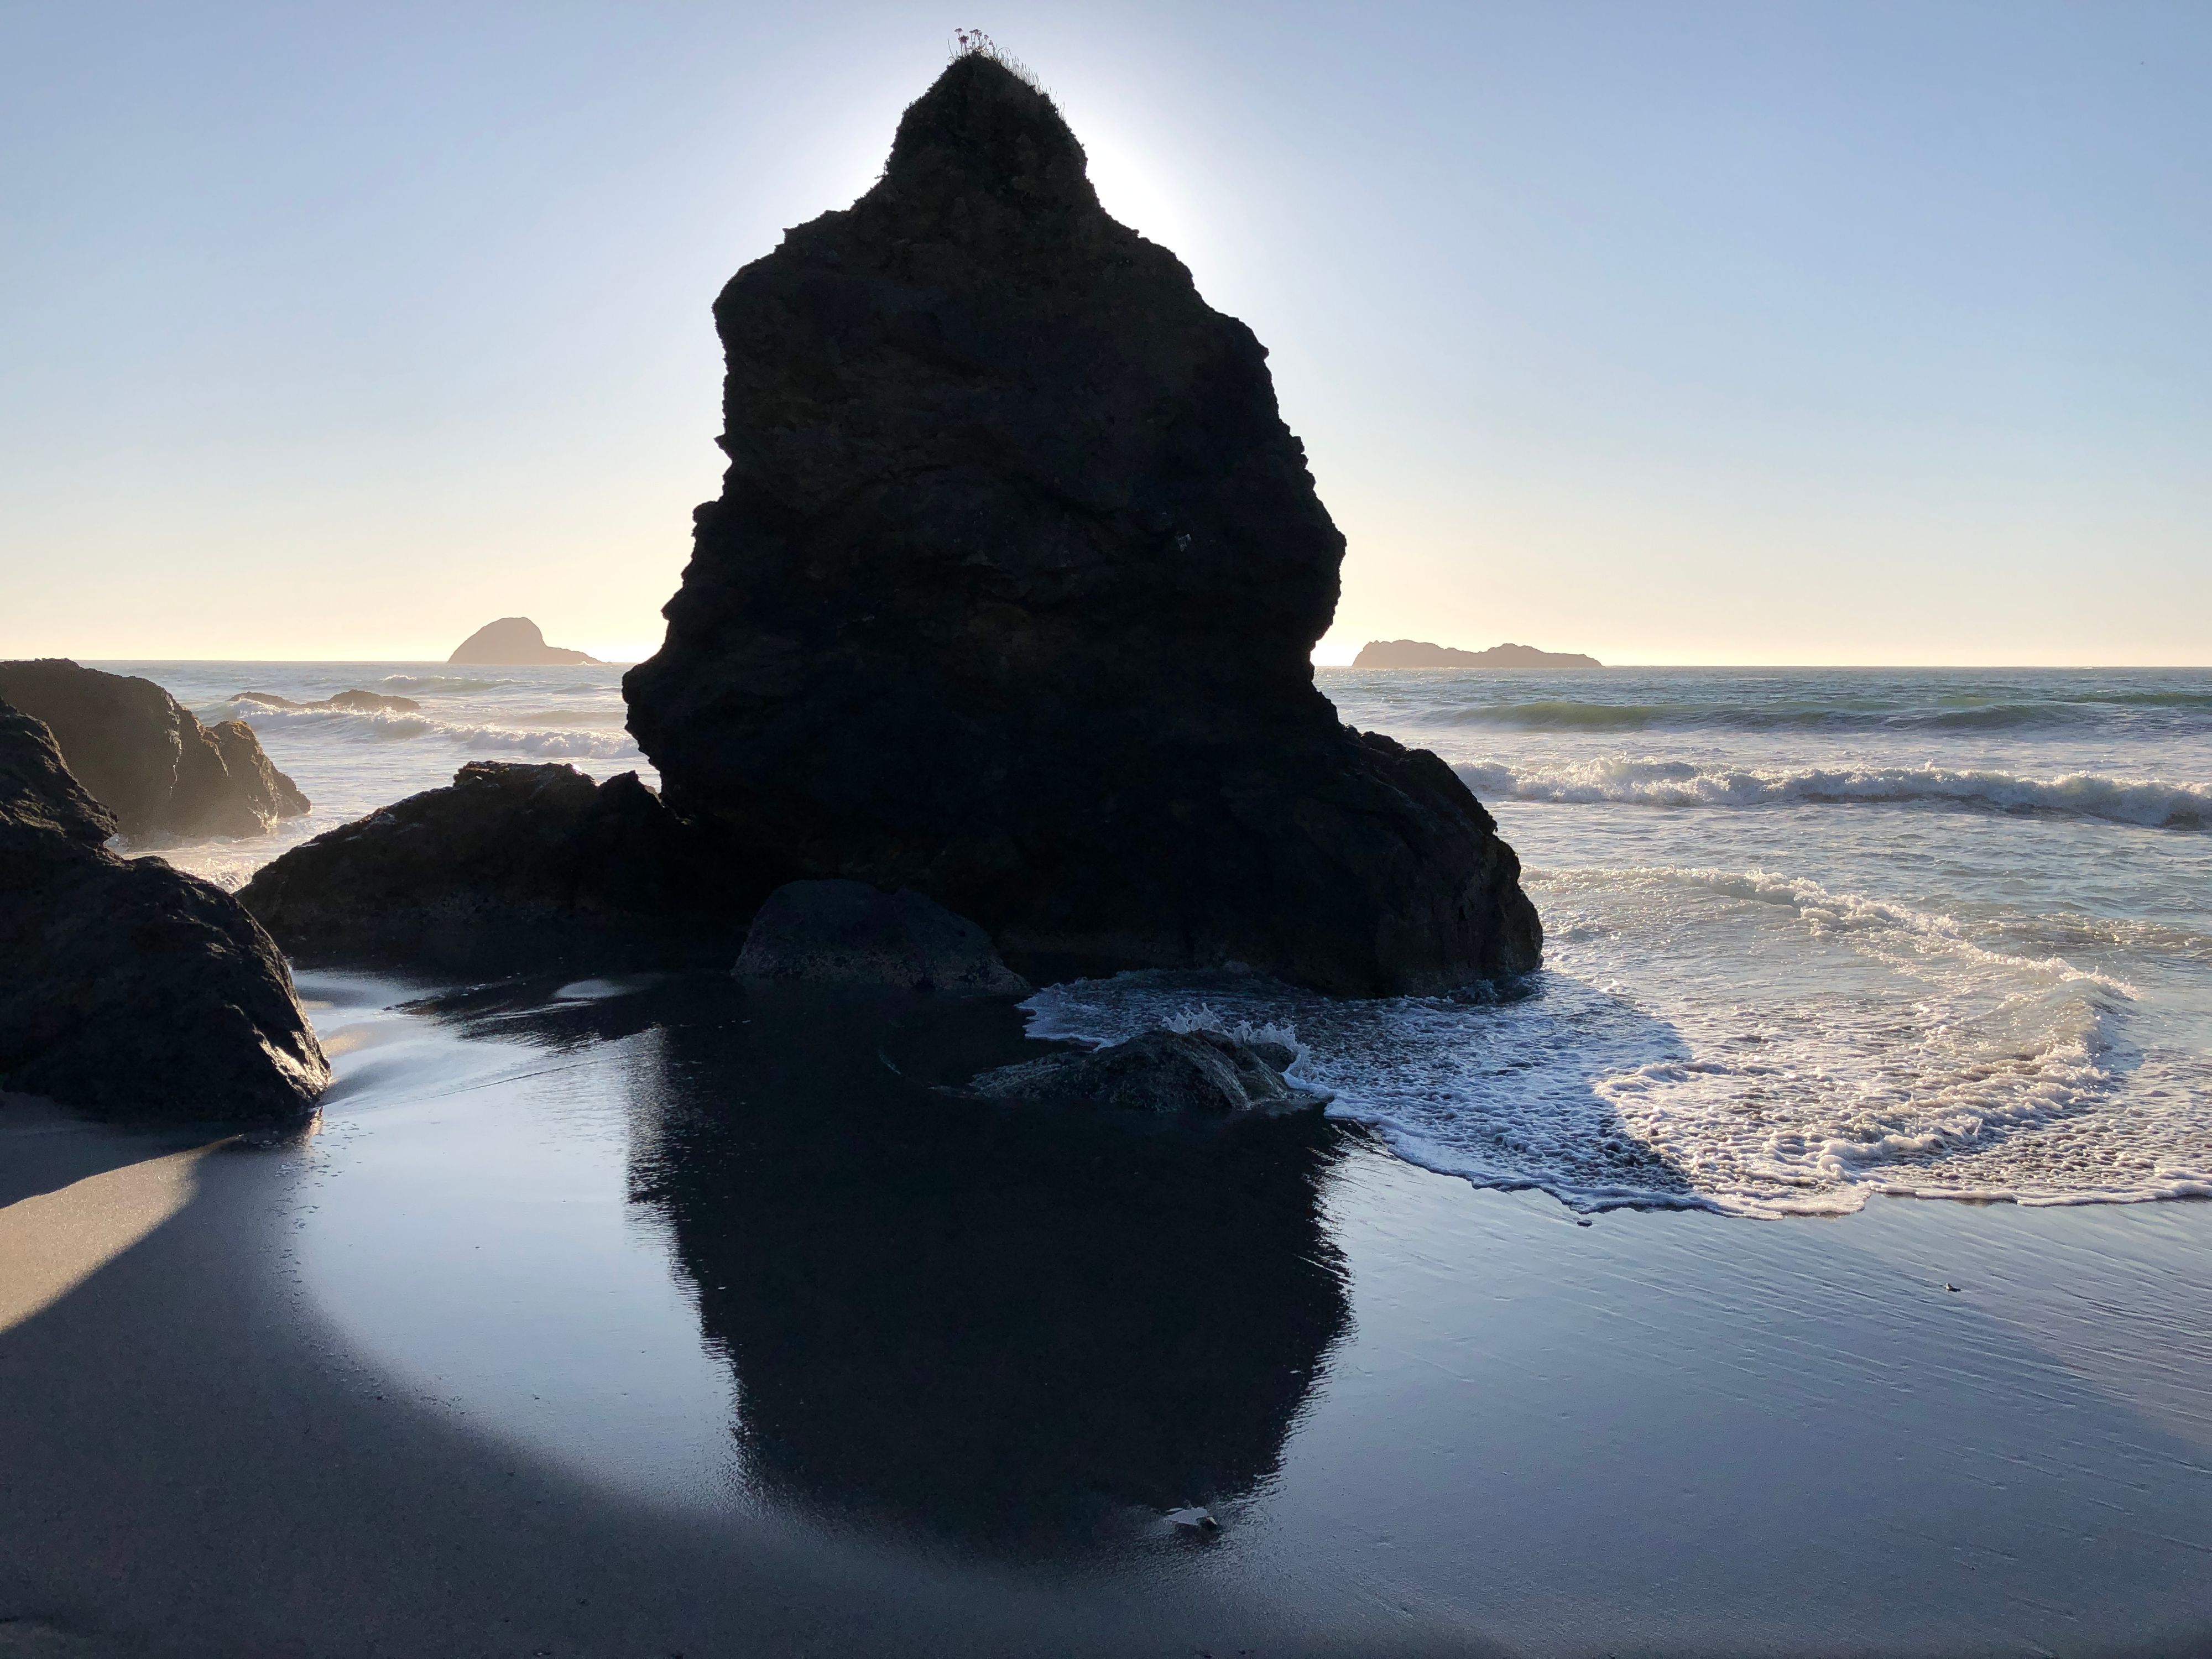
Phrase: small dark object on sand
(127, 986)
(847, 933)
(1202, 1072)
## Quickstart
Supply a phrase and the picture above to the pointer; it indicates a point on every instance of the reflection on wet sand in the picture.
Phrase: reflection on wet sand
(1023, 1329)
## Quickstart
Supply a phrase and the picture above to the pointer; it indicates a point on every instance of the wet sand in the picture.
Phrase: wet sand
(654, 1319)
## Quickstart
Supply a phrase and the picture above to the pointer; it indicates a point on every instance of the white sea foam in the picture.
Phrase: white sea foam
(1631, 780)
(1745, 1041)
(365, 725)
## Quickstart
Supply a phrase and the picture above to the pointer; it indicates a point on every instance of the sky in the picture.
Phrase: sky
(1674, 332)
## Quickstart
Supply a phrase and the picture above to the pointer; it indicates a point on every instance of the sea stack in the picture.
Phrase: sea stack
(1011, 593)
(514, 641)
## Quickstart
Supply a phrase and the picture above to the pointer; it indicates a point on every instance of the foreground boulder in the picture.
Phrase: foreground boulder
(846, 933)
(126, 986)
(514, 641)
(147, 758)
(1204, 1073)
(507, 861)
(1011, 593)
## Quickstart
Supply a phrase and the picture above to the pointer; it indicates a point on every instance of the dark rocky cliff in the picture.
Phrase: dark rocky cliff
(126, 986)
(1011, 591)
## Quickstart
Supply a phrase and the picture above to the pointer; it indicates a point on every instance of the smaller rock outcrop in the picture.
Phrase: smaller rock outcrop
(847, 933)
(508, 862)
(147, 758)
(1420, 653)
(1207, 1073)
(514, 641)
(127, 986)
(360, 702)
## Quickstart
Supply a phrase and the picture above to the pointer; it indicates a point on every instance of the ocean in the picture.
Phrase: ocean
(1811, 935)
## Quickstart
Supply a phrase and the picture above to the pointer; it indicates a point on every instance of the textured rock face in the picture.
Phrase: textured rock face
(846, 933)
(508, 861)
(1010, 595)
(1204, 1073)
(147, 758)
(515, 641)
(126, 986)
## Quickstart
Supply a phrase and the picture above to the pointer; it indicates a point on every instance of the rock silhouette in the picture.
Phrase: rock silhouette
(511, 864)
(515, 641)
(1011, 593)
(147, 758)
(127, 986)
(358, 702)
(846, 933)
(1420, 653)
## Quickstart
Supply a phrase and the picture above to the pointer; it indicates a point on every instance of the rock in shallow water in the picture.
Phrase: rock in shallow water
(508, 862)
(846, 933)
(1204, 1072)
(1011, 593)
(147, 758)
(126, 986)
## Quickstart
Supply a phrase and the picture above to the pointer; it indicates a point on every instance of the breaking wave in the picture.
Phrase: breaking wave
(379, 727)
(2151, 802)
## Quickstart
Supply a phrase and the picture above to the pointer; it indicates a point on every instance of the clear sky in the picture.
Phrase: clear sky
(1675, 333)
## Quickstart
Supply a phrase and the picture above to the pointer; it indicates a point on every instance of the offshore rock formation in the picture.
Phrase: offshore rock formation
(511, 865)
(1420, 653)
(147, 758)
(846, 933)
(514, 641)
(1010, 595)
(357, 702)
(126, 986)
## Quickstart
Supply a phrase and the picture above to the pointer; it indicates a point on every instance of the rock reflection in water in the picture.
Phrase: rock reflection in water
(1011, 1326)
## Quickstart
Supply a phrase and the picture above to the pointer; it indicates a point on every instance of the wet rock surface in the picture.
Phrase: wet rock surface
(147, 758)
(508, 862)
(1010, 595)
(128, 986)
(1207, 1073)
(847, 933)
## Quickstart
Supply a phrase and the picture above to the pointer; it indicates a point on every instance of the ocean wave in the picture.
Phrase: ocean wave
(2149, 802)
(365, 726)
(1749, 715)
(442, 683)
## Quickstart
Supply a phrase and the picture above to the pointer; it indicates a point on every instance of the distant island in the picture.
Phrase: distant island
(512, 640)
(1420, 653)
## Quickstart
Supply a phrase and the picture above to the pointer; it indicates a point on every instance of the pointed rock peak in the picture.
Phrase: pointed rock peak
(981, 126)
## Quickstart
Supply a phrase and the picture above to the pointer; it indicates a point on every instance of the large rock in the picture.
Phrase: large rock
(1206, 1073)
(847, 933)
(507, 861)
(1420, 653)
(1011, 593)
(126, 986)
(147, 758)
(514, 641)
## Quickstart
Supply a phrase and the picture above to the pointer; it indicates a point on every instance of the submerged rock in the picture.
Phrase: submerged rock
(515, 641)
(147, 758)
(126, 986)
(847, 933)
(1204, 1073)
(509, 860)
(372, 702)
(1011, 589)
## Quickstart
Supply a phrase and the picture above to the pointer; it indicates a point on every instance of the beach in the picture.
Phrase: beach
(655, 1314)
